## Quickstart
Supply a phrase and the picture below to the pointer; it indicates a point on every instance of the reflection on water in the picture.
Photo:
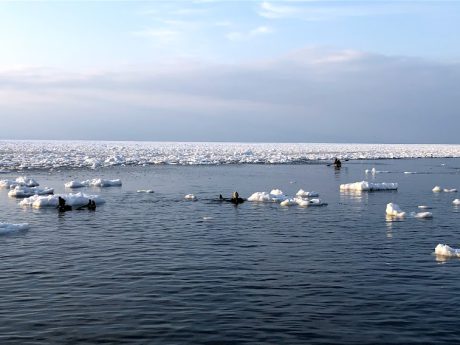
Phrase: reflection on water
(154, 266)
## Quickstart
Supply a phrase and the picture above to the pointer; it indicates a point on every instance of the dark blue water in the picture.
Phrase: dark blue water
(153, 268)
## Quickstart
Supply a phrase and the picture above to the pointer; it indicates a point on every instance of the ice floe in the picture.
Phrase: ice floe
(97, 182)
(77, 199)
(190, 197)
(422, 215)
(373, 171)
(23, 192)
(409, 172)
(424, 207)
(438, 189)
(6, 228)
(145, 191)
(456, 202)
(305, 194)
(17, 155)
(368, 186)
(276, 195)
(445, 250)
(394, 210)
(22, 181)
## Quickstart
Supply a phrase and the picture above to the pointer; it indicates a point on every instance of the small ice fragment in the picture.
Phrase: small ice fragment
(456, 202)
(288, 202)
(24, 192)
(6, 228)
(275, 195)
(207, 218)
(190, 197)
(305, 194)
(424, 207)
(447, 190)
(74, 184)
(423, 215)
(409, 172)
(368, 186)
(445, 250)
(394, 210)
(145, 191)
(437, 189)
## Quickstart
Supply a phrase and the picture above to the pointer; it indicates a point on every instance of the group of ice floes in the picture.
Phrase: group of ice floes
(302, 198)
(34, 196)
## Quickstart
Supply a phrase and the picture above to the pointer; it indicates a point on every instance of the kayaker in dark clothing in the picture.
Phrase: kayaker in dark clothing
(337, 163)
(62, 207)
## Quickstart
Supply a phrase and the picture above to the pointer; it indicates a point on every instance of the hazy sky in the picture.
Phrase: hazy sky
(291, 71)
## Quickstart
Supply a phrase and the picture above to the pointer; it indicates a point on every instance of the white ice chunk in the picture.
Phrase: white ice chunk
(424, 207)
(23, 192)
(394, 210)
(275, 195)
(409, 172)
(22, 181)
(423, 215)
(445, 250)
(145, 191)
(309, 202)
(74, 184)
(437, 189)
(456, 202)
(98, 182)
(190, 197)
(373, 171)
(305, 194)
(288, 202)
(447, 190)
(25, 181)
(78, 199)
(6, 228)
(368, 186)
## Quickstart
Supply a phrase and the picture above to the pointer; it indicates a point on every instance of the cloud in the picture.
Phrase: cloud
(313, 94)
(323, 10)
(244, 36)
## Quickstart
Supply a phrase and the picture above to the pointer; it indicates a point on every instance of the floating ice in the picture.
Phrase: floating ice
(305, 194)
(310, 202)
(437, 189)
(74, 184)
(22, 181)
(23, 192)
(447, 190)
(409, 172)
(78, 199)
(423, 207)
(373, 171)
(97, 182)
(288, 202)
(6, 228)
(422, 215)
(368, 186)
(456, 202)
(68, 154)
(394, 210)
(145, 191)
(445, 250)
(275, 195)
(190, 197)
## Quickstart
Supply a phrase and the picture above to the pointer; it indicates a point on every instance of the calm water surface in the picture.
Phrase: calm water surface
(154, 268)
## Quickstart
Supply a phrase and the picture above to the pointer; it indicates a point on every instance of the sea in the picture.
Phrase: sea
(156, 268)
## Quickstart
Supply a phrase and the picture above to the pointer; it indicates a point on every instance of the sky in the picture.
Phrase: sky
(247, 71)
